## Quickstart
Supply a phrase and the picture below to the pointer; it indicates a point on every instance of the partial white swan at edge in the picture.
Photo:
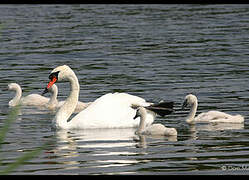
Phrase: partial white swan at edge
(153, 129)
(210, 116)
(112, 110)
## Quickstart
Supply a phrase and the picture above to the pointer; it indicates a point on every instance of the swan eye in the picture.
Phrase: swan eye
(53, 75)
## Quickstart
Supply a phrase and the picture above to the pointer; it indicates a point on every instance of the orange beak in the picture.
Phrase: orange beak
(52, 81)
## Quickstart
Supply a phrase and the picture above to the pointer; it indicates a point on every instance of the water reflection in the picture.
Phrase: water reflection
(102, 148)
(73, 140)
(108, 141)
(215, 126)
(142, 139)
(194, 129)
(33, 110)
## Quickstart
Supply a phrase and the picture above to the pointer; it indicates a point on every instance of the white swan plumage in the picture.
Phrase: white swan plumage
(210, 116)
(79, 107)
(112, 110)
(153, 129)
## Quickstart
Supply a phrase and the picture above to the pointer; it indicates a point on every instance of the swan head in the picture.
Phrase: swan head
(189, 100)
(141, 111)
(60, 73)
(171, 132)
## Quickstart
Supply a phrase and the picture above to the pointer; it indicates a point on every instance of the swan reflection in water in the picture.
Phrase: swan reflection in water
(143, 140)
(215, 126)
(73, 142)
(99, 148)
(212, 127)
(76, 148)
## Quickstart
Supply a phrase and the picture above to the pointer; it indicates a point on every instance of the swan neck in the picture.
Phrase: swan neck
(53, 99)
(15, 101)
(69, 106)
(191, 115)
(141, 126)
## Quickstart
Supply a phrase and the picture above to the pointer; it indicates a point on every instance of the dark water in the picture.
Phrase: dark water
(152, 51)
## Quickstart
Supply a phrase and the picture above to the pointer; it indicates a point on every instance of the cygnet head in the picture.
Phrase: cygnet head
(171, 132)
(53, 89)
(189, 100)
(140, 112)
(13, 86)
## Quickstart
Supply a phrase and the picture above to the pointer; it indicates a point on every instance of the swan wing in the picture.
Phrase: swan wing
(155, 129)
(79, 107)
(210, 115)
(217, 116)
(160, 129)
(34, 100)
(112, 110)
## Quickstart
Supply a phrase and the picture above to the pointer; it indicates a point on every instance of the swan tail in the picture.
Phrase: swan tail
(162, 108)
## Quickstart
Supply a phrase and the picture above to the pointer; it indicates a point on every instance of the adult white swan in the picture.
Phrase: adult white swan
(210, 116)
(153, 129)
(112, 110)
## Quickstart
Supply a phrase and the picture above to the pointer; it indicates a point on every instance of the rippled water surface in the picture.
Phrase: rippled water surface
(158, 52)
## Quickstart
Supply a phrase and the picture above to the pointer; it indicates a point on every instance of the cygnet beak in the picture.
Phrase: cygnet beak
(185, 104)
(45, 91)
(137, 115)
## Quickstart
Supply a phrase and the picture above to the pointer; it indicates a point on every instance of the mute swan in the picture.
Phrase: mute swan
(153, 129)
(112, 110)
(30, 100)
(210, 116)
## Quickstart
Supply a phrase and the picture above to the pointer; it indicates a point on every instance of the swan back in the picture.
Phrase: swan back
(217, 116)
(34, 100)
(111, 110)
(159, 129)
